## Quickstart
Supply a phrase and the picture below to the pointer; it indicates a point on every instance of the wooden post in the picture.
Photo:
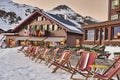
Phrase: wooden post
(100, 36)
(109, 33)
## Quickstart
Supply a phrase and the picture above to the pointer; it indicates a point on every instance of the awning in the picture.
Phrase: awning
(31, 38)
(54, 39)
(36, 38)
(21, 38)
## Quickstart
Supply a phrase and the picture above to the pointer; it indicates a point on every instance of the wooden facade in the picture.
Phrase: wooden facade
(114, 10)
(107, 33)
(44, 26)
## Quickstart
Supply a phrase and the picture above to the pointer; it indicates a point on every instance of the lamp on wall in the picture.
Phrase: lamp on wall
(118, 34)
(116, 37)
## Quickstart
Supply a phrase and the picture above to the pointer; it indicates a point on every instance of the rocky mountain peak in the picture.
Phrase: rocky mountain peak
(64, 10)
(61, 7)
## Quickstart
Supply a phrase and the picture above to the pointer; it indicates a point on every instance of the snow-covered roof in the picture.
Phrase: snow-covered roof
(72, 26)
(2, 37)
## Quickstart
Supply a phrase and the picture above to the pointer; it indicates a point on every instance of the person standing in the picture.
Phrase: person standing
(4, 45)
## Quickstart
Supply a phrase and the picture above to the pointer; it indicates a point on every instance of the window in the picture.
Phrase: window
(55, 27)
(38, 27)
(114, 17)
(98, 35)
(116, 32)
(45, 27)
(50, 27)
(28, 27)
(35, 27)
(77, 42)
(103, 34)
(114, 3)
(41, 27)
(106, 34)
(90, 34)
(39, 18)
(42, 18)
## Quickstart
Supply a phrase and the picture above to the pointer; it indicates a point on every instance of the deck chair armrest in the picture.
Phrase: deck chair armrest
(59, 59)
(113, 65)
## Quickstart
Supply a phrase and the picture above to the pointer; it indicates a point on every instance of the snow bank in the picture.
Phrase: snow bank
(112, 49)
(15, 66)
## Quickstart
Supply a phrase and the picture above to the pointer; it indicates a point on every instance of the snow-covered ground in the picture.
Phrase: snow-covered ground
(111, 50)
(15, 66)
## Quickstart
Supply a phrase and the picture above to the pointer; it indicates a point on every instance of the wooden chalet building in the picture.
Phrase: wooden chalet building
(107, 32)
(42, 26)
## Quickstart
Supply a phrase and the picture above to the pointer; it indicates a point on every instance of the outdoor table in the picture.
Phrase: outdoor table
(97, 68)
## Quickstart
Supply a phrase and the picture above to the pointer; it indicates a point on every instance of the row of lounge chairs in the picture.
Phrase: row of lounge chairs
(62, 61)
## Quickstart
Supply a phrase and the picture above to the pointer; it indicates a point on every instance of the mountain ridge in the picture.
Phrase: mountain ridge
(12, 14)
(63, 10)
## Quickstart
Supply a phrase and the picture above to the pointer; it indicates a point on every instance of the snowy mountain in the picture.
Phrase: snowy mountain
(11, 14)
(68, 13)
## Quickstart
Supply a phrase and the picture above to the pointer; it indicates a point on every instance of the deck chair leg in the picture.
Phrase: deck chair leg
(69, 65)
(118, 77)
(26, 54)
(37, 57)
(69, 68)
(87, 76)
(57, 67)
(72, 74)
(50, 65)
(40, 61)
(47, 62)
(32, 58)
(36, 60)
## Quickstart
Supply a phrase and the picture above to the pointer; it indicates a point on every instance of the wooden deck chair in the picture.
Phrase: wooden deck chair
(52, 56)
(63, 61)
(40, 52)
(27, 49)
(110, 72)
(22, 48)
(86, 59)
(27, 52)
(43, 56)
(34, 53)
